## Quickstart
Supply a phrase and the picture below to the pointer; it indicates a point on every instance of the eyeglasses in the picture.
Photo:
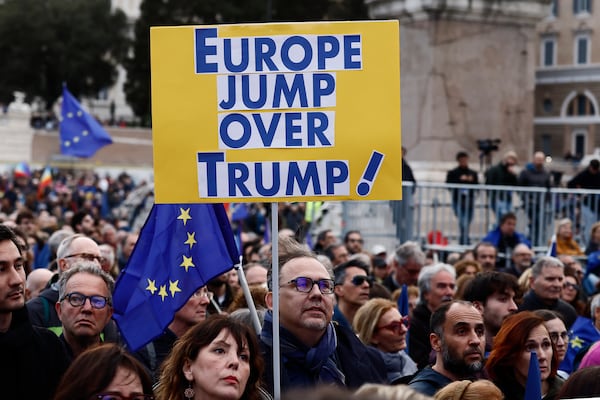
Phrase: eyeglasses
(569, 285)
(396, 326)
(305, 285)
(358, 280)
(87, 257)
(119, 396)
(203, 293)
(555, 335)
(78, 300)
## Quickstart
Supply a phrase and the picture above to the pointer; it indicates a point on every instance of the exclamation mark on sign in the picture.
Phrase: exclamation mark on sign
(364, 186)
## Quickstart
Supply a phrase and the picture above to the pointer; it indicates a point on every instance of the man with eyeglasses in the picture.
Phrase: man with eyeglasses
(352, 287)
(458, 339)
(84, 306)
(72, 249)
(33, 359)
(354, 242)
(194, 311)
(313, 350)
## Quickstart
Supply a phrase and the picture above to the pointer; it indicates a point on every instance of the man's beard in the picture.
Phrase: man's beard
(457, 365)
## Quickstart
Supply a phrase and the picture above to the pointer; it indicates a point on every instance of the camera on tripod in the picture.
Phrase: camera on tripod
(486, 146)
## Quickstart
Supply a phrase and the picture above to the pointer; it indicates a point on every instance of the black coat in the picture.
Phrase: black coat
(359, 363)
(33, 360)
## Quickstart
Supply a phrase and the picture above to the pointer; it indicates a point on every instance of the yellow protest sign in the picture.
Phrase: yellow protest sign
(276, 112)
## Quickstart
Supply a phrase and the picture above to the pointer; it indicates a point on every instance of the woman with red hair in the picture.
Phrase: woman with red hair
(508, 363)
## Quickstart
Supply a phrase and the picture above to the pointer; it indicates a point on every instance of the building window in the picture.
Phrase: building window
(582, 49)
(548, 56)
(546, 143)
(582, 6)
(547, 106)
(579, 144)
(554, 11)
(580, 106)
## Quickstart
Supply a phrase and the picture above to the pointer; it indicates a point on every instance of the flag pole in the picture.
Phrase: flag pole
(275, 286)
(248, 295)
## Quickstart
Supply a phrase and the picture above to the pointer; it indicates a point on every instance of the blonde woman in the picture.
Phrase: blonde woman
(565, 244)
(467, 390)
(379, 324)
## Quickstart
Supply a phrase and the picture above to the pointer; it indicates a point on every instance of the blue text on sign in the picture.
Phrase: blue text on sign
(220, 179)
(282, 53)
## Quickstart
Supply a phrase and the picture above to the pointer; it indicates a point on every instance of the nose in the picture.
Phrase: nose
(512, 306)
(474, 338)
(15, 278)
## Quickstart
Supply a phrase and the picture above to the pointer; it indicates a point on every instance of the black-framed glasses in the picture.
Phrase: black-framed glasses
(569, 285)
(358, 280)
(87, 257)
(396, 326)
(119, 396)
(563, 335)
(305, 285)
(78, 300)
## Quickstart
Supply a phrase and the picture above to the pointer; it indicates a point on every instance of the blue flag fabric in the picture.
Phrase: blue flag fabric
(581, 335)
(403, 301)
(80, 134)
(180, 248)
(533, 386)
(552, 248)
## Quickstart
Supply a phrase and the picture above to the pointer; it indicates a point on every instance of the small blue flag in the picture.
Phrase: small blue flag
(403, 301)
(80, 134)
(180, 248)
(533, 386)
(552, 249)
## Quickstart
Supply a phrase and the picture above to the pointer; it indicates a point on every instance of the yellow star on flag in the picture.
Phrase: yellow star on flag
(185, 215)
(191, 240)
(163, 292)
(186, 263)
(576, 342)
(173, 288)
(151, 286)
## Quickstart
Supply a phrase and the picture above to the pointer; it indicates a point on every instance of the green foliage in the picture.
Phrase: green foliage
(185, 12)
(46, 42)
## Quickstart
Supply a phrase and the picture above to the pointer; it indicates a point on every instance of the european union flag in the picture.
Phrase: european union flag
(533, 386)
(581, 335)
(80, 134)
(180, 248)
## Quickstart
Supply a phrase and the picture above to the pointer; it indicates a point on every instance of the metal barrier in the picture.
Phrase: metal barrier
(431, 212)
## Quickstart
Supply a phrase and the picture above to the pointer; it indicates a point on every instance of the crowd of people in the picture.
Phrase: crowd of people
(473, 321)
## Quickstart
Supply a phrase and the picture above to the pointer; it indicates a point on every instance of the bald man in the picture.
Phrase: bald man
(36, 282)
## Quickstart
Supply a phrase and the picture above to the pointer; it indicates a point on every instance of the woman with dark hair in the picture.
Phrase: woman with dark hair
(104, 371)
(583, 383)
(218, 359)
(558, 334)
(508, 363)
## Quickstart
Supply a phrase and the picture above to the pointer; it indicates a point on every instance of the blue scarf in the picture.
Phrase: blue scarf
(305, 366)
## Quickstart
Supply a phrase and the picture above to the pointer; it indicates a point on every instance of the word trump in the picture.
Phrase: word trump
(220, 179)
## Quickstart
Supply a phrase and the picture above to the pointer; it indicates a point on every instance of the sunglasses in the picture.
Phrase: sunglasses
(358, 280)
(569, 285)
(396, 326)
